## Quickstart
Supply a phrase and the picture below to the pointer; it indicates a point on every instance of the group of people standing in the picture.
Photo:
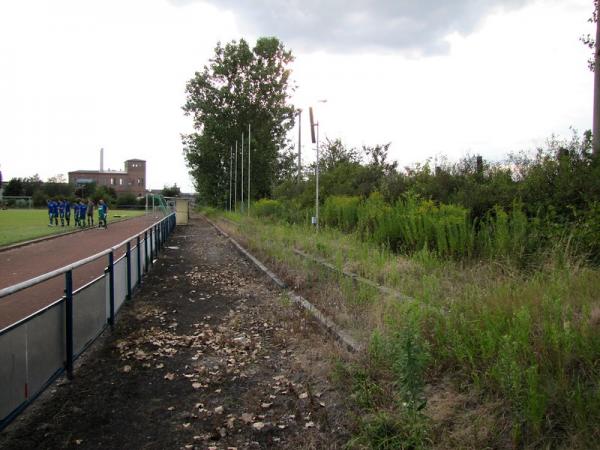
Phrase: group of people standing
(83, 212)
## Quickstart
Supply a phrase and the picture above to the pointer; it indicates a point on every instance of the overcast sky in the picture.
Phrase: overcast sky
(433, 77)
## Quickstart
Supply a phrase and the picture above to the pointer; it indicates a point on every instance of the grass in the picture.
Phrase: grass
(518, 351)
(18, 225)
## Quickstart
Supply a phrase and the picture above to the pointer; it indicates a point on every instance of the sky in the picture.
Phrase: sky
(432, 77)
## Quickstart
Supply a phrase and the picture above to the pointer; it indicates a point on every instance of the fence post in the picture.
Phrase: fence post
(128, 256)
(111, 288)
(161, 235)
(69, 322)
(155, 241)
(139, 261)
(150, 240)
(146, 251)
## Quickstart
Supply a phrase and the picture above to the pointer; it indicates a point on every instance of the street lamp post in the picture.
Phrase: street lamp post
(299, 145)
(317, 180)
(314, 125)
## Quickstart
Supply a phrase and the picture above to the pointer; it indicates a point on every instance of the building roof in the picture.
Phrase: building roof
(136, 160)
(116, 172)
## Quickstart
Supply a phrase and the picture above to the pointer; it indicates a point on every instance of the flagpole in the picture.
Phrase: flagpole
(249, 148)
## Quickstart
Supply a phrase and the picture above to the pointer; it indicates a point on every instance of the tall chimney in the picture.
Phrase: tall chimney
(101, 160)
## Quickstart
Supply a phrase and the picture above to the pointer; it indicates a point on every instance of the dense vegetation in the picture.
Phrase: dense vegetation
(501, 346)
(512, 209)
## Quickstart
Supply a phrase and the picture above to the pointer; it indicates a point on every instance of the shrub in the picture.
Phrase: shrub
(341, 212)
(267, 208)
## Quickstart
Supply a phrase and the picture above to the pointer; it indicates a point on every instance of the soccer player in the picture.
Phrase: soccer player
(61, 212)
(68, 212)
(76, 212)
(102, 213)
(49, 203)
(90, 213)
(54, 212)
(82, 211)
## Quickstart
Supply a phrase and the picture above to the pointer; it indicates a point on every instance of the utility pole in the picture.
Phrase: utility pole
(249, 140)
(596, 114)
(242, 210)
(235, 184)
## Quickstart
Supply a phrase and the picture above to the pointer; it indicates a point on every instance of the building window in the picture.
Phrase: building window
(120, 181)
(112, 181)
(139, 181)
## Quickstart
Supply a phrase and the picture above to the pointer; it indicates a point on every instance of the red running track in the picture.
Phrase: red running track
(23, 263)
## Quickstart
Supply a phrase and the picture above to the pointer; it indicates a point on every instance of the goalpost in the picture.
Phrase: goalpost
(16, 201)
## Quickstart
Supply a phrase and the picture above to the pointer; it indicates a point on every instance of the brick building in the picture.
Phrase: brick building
(131, 180)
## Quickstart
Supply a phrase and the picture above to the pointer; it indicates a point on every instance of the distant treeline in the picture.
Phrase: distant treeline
(41, 191)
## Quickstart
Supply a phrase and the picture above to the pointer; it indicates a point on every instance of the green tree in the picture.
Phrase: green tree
(105, 193)
(241, 86)
(31, 184)
(171, 191)
(14, 187)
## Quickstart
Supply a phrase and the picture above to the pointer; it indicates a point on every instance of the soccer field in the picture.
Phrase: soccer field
(17, 225)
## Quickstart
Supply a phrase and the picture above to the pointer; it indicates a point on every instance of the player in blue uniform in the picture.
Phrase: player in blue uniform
(61, 212)
(82, 211)
(49, 204)
(76, 213)
(68, 212)
(54, 208)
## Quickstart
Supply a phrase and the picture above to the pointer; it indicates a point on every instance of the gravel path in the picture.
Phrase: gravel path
(208, 354)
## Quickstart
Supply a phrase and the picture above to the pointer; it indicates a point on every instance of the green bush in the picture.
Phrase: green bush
(267, 208)
(341, 212)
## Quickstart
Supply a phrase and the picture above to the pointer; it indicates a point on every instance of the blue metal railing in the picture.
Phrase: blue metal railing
(38, 348)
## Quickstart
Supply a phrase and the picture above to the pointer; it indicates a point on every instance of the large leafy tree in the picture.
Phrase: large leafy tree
(240, 86)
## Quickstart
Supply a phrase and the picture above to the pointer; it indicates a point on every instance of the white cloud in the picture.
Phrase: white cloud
(76, 76)
(507, 87)
(357, 25)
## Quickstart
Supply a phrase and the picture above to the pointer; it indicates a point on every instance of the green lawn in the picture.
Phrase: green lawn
(17, 225)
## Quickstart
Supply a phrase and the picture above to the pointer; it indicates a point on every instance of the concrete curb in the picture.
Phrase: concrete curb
(53, 236)
(343, 337)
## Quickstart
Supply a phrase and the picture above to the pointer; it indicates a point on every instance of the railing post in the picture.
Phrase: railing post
(128, 257)
(139, 261)
(155, 241)
(111, 288)
(151, 250)
(146, 251)
(69, 322)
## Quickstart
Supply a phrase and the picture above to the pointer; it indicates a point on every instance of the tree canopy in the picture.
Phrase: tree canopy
(240, 87)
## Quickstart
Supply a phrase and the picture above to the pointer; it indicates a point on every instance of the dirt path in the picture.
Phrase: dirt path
(207, 355)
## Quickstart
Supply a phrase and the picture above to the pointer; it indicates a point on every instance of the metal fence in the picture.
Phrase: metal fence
(37, 349)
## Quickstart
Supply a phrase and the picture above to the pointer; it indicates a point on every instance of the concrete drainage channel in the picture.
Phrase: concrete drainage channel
(342, 336)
